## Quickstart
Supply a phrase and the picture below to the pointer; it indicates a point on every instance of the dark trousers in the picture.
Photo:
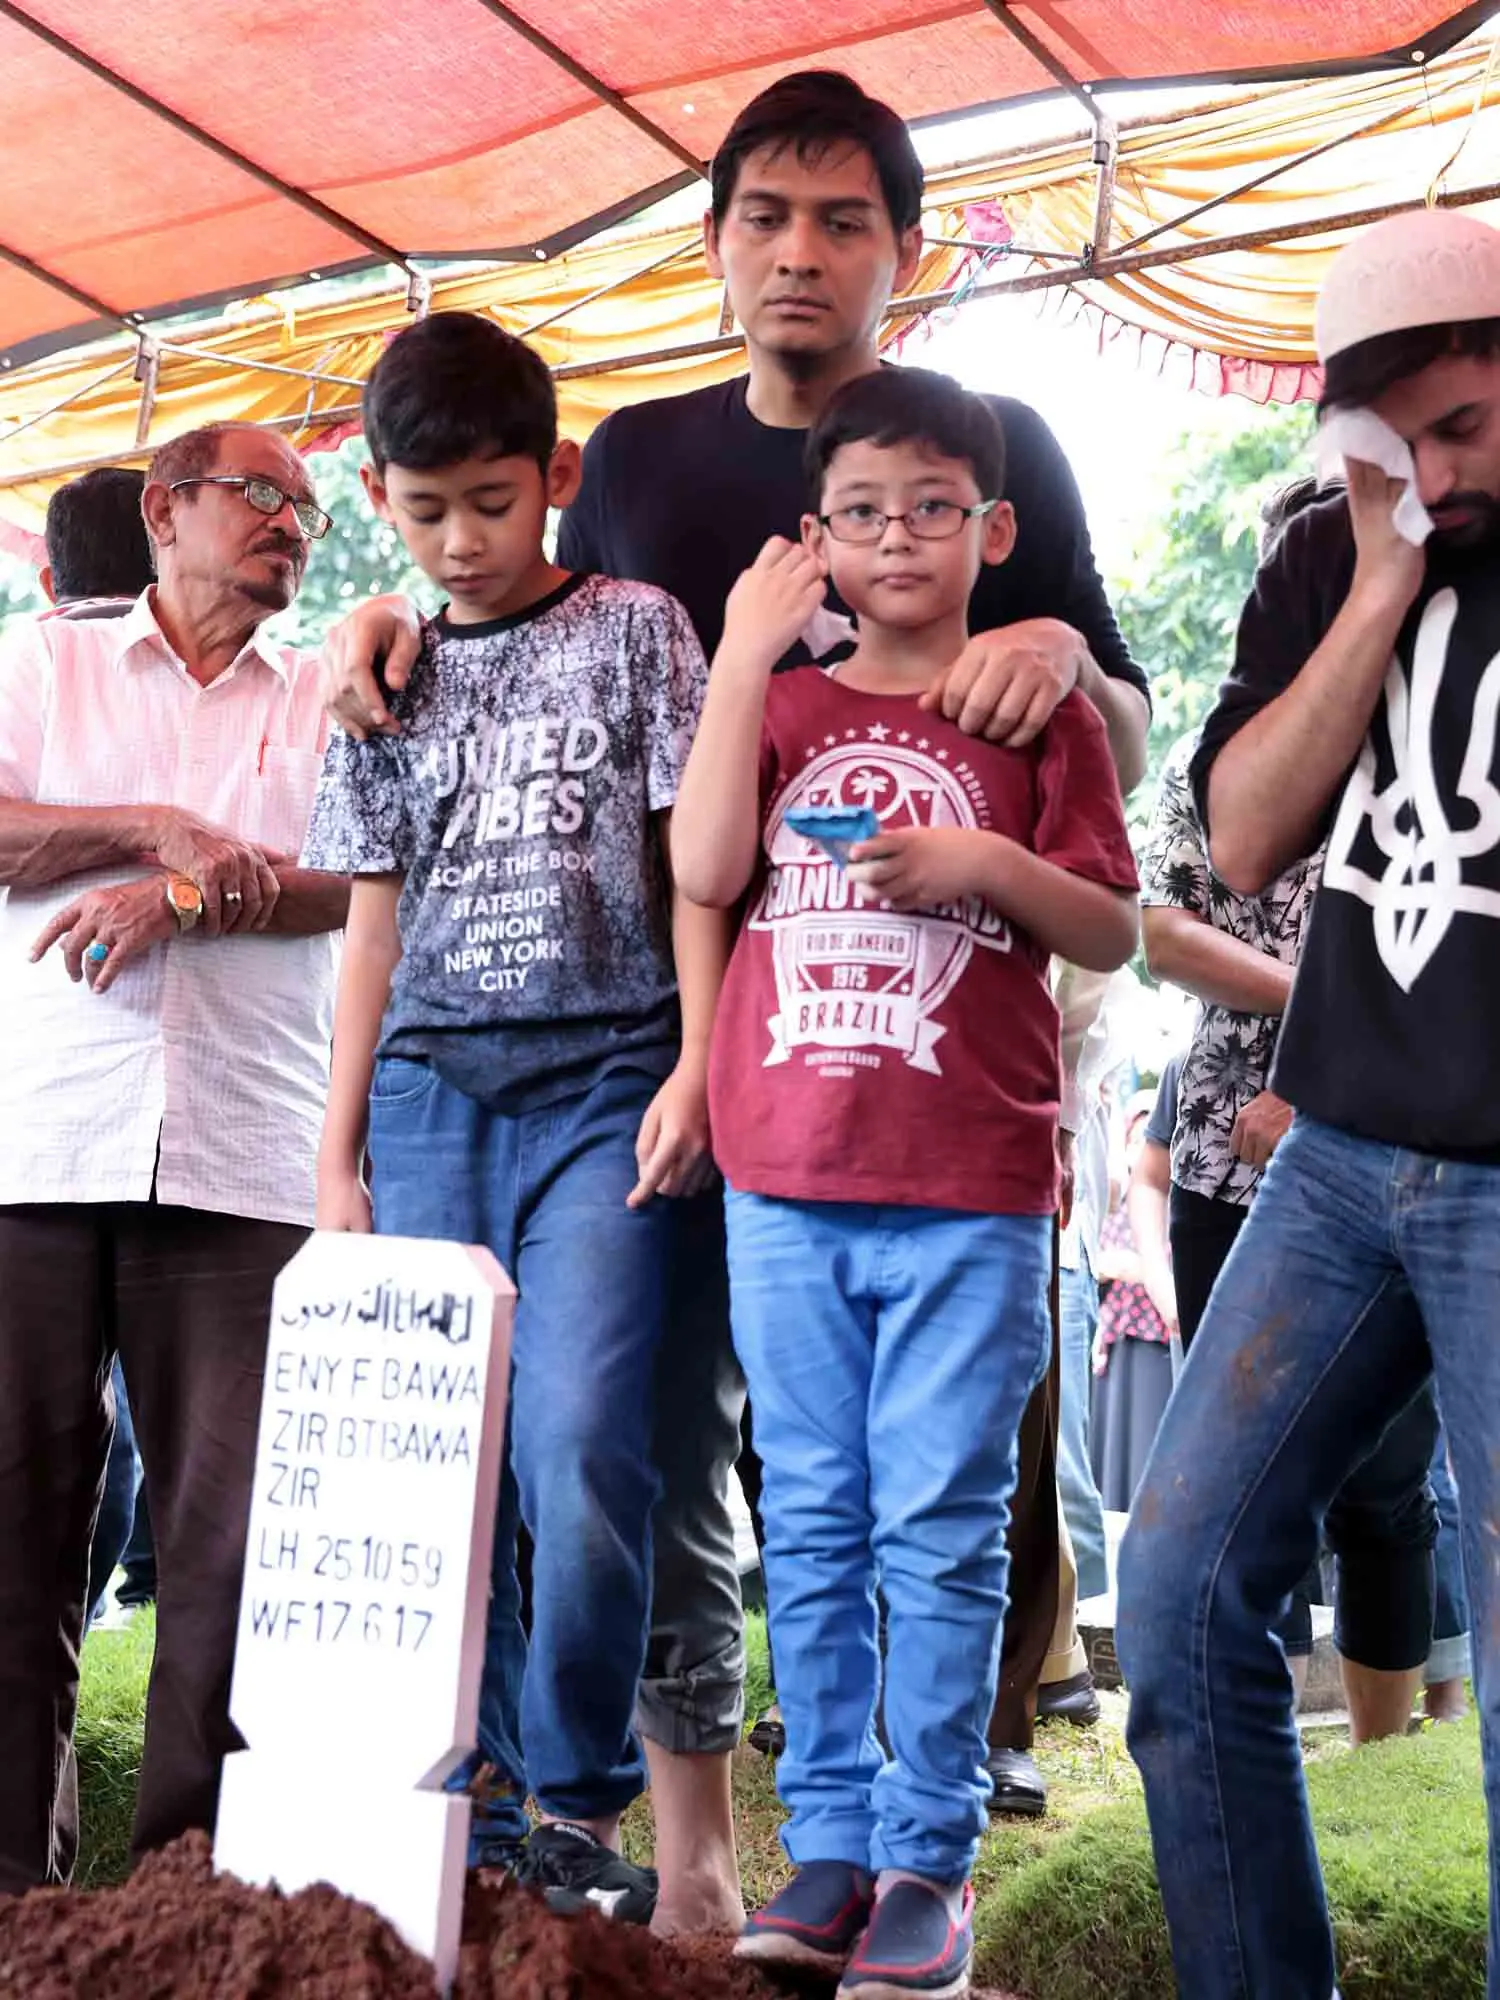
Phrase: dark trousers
(1035, 1558)
(1383, 1522)
(185, 1299)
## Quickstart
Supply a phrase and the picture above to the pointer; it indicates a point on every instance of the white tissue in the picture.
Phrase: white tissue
(1361, 434)
(825, 630)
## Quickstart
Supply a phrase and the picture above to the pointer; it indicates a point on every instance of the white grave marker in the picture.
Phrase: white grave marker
(367, 1571)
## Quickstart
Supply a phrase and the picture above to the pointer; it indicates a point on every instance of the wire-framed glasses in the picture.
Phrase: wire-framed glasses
(266, 497)
(929, 520)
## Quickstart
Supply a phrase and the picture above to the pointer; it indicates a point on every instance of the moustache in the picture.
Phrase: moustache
(281, 545)
(1474, 517)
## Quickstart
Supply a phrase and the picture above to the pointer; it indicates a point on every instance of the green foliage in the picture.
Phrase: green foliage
(359, 557)
(20, 590)
(1179, 602)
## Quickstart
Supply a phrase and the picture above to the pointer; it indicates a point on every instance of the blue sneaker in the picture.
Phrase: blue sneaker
(912, 1945)
(816, 1920)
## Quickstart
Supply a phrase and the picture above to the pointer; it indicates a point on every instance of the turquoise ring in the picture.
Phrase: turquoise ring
(97, 952)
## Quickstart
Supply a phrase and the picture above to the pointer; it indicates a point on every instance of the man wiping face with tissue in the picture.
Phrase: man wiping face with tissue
(1417, 402)
(1362, 709)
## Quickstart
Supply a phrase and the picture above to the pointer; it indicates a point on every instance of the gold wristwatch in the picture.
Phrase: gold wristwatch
(184, 900)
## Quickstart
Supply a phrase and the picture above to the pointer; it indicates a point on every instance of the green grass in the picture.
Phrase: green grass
(1068, 1905)
(111, 1717)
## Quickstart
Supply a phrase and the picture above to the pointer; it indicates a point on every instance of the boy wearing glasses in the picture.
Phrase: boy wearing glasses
(884, 1085)
(510, 1055)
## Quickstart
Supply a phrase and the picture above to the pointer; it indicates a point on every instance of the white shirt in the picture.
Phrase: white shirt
(214, 1050)
(1095, 1008)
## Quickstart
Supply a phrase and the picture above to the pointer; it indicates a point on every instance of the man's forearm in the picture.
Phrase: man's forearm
(40, 845)
(1127, 717)
(1272, 783)
(1211, 965)
(310, 902)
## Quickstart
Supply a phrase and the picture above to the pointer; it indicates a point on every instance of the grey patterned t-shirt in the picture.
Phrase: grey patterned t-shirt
(518, 802)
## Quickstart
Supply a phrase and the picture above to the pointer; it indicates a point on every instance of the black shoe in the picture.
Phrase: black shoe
(769, 1735)
(1019, 1785)
(497, 1854)
(1073, 1700)
(575, 1871)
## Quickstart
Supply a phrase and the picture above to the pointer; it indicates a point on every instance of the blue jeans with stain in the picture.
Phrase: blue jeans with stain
(545, 1191)
(1298, 1371)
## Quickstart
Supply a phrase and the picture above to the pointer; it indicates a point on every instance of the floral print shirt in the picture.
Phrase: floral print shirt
(1230, 1055)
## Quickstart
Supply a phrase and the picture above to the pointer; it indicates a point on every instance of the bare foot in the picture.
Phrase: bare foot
(695, 1856)
(1445, 1701)
(698, 1906)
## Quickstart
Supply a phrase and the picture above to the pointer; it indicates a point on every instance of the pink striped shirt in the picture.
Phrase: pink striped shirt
(205, 1065)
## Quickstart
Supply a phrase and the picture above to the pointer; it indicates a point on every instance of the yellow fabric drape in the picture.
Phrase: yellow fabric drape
(1246, 313)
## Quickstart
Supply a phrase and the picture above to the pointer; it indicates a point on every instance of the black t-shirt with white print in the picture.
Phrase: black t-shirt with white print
(1391, 1030)
(518, 803)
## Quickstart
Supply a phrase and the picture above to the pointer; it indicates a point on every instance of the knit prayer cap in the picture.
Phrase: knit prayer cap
(1429, 267)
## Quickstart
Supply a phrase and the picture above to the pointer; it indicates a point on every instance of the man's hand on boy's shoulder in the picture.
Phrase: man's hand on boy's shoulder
(672, 1149)
(384, 632)
(1005, 684)
(913, 867)
(771, 603)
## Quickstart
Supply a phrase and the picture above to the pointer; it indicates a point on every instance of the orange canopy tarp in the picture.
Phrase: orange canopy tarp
(158, 153)
(636, 314)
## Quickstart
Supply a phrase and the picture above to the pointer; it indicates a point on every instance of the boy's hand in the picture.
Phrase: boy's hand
(772, 602)
(912, 867)
(343, 1202)
(672, 1148)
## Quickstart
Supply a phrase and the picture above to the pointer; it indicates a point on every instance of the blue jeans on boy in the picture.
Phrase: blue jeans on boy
(890, 1353)
(1296, 1374)
(545, 1190)
(1083, 1508)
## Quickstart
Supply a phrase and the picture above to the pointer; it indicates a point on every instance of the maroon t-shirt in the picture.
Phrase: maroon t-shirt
(864, 1054)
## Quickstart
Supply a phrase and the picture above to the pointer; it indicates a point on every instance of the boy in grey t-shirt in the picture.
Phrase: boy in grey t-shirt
(511, 1056)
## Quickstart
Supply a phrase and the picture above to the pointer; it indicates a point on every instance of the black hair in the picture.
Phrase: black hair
(816, 111)
(97, 545)
(1284, 505)
(455, 386)
(1357, 376)
(909, 405)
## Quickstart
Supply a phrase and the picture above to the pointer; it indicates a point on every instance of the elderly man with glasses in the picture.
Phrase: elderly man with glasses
(166, 980)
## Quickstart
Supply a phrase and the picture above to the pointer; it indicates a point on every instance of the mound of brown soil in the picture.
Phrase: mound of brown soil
(177, 1931)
